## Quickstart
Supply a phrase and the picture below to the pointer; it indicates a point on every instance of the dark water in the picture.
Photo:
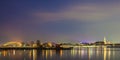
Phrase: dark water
(75, 54)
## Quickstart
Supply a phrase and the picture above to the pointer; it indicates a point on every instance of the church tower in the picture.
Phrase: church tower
(105, 41)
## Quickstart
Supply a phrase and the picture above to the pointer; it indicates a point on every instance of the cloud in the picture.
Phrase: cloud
(85, 12)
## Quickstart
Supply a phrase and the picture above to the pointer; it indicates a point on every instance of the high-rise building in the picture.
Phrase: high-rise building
(38, 43)
(31, 43)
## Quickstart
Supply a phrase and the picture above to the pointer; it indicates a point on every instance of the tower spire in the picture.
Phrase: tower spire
(105, 40)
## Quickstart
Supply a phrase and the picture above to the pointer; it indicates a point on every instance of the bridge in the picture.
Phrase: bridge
(15, 45)
(12, 44)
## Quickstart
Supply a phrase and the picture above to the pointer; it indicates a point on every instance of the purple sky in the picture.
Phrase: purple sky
(59, 20)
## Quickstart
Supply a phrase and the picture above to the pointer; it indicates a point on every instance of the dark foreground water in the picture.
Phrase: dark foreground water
(75, 54)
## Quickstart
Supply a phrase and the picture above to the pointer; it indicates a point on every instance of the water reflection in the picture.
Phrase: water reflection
(109, 54)
(34, 53)
(105, 52)
(79, 54)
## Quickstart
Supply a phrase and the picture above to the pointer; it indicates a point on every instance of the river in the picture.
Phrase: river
(74, 54)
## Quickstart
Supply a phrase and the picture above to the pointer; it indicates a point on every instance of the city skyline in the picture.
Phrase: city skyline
(60, 21)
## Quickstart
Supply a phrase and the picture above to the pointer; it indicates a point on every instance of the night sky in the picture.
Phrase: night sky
(59, 20)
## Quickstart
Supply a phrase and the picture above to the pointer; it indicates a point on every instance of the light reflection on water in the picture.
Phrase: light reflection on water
(75, 54)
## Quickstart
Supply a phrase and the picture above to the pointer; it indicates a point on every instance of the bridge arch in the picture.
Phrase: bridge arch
(13, 44)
